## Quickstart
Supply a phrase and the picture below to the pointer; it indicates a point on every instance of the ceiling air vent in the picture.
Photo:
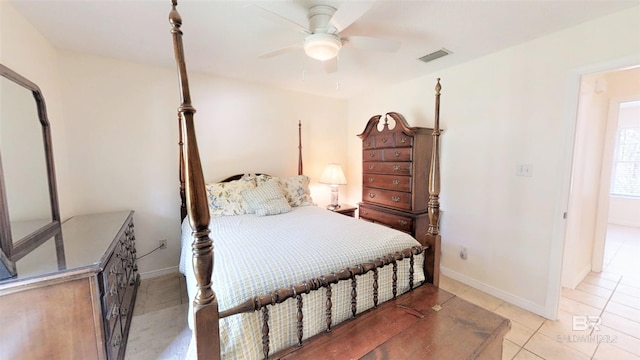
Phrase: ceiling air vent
(435, 55)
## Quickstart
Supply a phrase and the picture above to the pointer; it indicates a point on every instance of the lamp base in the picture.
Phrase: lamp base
(334, 198)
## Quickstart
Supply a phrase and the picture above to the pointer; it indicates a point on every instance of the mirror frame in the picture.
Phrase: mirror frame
(12, 251)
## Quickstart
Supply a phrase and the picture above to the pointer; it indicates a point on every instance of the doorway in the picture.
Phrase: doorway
(591, 208)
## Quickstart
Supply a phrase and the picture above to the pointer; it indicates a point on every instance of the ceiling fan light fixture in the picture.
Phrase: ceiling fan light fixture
(322, 46)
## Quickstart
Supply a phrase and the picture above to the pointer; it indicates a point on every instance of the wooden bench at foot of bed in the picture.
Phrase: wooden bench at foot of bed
(426, 323)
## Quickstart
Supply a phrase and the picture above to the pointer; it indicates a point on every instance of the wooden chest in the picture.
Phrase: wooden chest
(395, 171)
(428, 323)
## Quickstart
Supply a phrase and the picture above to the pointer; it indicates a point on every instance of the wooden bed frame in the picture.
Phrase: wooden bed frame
(195, 209)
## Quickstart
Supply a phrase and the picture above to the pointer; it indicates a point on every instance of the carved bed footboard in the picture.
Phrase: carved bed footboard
(296, 291)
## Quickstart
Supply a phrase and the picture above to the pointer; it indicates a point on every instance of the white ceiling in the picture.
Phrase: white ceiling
(225, 38)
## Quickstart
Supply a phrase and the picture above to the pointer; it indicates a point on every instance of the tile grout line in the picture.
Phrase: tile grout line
(602, 312)
(526, 342)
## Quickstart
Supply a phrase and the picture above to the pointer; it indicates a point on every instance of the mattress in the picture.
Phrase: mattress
(255, 255)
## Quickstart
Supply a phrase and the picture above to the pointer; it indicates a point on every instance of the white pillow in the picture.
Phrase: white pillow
(294, 188)
(266, 199)
(225, 198)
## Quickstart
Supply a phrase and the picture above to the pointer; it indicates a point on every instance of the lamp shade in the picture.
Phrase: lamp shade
(333, 175)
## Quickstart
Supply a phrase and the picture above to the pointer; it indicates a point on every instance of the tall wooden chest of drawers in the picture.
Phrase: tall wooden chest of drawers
(73, 300)
(395, 171)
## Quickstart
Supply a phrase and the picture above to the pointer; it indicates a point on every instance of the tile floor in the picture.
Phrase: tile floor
(608, 301)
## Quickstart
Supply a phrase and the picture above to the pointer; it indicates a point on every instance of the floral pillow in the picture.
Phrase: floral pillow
(266, 199)
(294, 188)
(225, 198)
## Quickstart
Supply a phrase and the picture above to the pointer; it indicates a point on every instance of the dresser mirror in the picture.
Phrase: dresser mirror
(29, 213)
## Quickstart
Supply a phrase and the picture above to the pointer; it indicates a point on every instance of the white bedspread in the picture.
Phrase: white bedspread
(255, 255)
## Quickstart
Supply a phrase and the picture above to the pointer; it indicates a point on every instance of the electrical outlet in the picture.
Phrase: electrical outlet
(463, 253)
(524, 170)
(163, 244)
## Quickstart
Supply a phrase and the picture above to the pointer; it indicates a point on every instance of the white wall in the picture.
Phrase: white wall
(515, 106)
(117, 121)
(123, 137)
(584, 201)
(28, 53)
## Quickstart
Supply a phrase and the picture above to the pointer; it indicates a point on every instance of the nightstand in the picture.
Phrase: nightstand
(346, 209)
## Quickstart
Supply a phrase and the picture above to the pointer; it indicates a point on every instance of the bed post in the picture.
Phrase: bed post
(205, 307)
(300, 147)
(183, 200)
(433, 232)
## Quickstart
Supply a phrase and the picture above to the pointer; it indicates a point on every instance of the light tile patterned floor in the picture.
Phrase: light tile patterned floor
(159, 330)
(610, 300)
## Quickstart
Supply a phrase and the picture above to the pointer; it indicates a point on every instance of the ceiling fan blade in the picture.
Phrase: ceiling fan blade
(370, 43)
(331, 65)
(280, 51)
(268, 14)
(347, 14)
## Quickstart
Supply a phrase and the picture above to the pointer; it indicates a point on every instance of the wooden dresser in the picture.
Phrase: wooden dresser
(73, 301)
(395, 170)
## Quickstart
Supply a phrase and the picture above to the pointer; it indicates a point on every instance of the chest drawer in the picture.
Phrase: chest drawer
(397, 154)
(392, 220)
(372, 155)
(388, 182)
(393, 168)
(391, 154)
(395, 199)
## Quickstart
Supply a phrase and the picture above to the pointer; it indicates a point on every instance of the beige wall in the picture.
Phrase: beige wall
(517, 106)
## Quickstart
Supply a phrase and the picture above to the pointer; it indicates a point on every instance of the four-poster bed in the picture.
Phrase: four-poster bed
(323, 279)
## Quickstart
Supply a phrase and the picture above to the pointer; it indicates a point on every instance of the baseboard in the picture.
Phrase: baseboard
(159, 272)
(576, 280)
(623, 223)
(500, 294)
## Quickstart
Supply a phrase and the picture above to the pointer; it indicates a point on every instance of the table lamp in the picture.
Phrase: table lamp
(333, 176)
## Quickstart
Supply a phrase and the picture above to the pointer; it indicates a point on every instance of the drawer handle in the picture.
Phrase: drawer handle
(117, 340)
(396, 182)
(115, 310)
(372, 155)
(372, 180)
(384, 140)
(396, 154)
(365, 212)
(372, 195)
(367, 144)
(403, 222)
(403, 140)
(395, 198)
(396, 167)
(371, 167)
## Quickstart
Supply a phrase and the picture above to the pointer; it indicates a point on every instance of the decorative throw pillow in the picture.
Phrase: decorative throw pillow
(294, 188)
(266, 199)
(226, 199)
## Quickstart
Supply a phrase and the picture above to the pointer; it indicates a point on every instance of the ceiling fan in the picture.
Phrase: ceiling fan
(323, 40)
